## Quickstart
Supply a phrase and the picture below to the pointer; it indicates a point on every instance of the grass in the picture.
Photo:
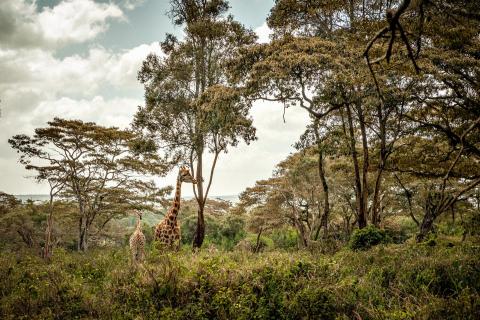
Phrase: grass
(405, 281)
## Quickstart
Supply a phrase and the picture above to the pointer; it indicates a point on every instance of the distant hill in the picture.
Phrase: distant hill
(45, 197)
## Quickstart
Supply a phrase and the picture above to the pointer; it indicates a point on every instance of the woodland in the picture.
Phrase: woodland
(374, 215)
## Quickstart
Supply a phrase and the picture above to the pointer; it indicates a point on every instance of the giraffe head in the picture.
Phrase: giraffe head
(137, 213)
(186, 176)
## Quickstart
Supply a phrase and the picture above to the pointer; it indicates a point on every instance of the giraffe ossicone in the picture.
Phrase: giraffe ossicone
(167, 231)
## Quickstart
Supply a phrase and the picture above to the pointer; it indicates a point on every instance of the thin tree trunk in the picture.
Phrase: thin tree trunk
(301, 228)
(83, 232)
(257, 245)
(200, 230)
(366, 163)
(376, 200)
(381, 165)
(362, 221)
(324, 184)
(47, 250)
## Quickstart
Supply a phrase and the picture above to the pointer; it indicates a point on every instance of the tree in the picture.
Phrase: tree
(262, 207)
(7, 202)
(446, 95)
(189, 108)
(315, 62)
(93, 165)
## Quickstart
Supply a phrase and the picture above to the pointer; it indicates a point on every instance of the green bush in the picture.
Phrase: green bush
(387, 282)
(286, 238)
(362, 239)
(223, 232)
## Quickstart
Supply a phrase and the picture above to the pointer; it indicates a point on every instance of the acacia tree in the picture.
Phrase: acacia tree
(441, 40)
(94, 166)
(189, 109)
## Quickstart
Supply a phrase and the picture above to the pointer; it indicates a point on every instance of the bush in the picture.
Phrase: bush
(286, 238)
(363, 239)
(405, 281)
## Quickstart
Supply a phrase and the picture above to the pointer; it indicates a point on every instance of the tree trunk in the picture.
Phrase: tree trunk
(200, 230)
(326, 201)
(381, 165)
(321, 173)
(83, 234)
(362, 220)
(82, 241)
(366, 164)
(301, 229)
(431, 212)
(257, 245)
(47, 250)
(426, 225)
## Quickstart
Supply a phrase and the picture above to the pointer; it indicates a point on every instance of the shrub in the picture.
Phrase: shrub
(368, 237)
(286, 238)
(405, 281)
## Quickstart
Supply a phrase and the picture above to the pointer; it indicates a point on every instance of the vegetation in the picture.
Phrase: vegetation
(189, 108)
(375, 215)
(387, 282)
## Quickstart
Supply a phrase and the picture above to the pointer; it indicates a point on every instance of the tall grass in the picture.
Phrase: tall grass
(386, 282)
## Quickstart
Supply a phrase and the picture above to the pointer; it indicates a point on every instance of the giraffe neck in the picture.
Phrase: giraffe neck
(176, 200)
(139, 224)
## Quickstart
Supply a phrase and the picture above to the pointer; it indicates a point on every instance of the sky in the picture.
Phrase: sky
(78, 59)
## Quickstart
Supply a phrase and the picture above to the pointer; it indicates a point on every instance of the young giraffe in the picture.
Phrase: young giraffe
(137, 240)
(167, 231)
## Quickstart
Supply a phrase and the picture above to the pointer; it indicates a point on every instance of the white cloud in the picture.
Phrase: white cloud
(132, 4)
(263, 32)
(78, 76)
(71, 21)
(35, 86)
(116, 112)
(101, 85)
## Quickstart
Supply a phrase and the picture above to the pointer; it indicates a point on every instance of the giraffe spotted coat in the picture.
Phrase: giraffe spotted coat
(167, 231)
(137, 242)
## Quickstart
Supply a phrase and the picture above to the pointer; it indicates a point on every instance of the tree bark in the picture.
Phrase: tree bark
(381, 166)
(200, 230)
(366, 163)
(362, 220)
(257, 245)
(47, 250)
(83, 233)
(427, 223)
(324, 184)
(301, 229)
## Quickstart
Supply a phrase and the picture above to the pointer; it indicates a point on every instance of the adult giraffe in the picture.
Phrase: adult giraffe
(167, 231)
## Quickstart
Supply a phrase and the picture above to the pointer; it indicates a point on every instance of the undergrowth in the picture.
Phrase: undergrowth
(404, 281)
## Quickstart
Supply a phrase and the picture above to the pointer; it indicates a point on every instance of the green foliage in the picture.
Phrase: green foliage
(286, 238)
(387, 282)
(222, 231)
(368, 237)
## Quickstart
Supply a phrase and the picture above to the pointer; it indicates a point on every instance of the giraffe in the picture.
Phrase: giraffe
(167, 231)
(137, 240)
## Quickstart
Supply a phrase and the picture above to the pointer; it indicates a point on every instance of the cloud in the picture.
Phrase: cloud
(71, 21)
(77, 75)
(100, 86)
(131, 4)
(263, 32)
(116, 112)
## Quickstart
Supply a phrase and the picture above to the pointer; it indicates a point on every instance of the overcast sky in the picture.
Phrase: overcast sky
(78, 59)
